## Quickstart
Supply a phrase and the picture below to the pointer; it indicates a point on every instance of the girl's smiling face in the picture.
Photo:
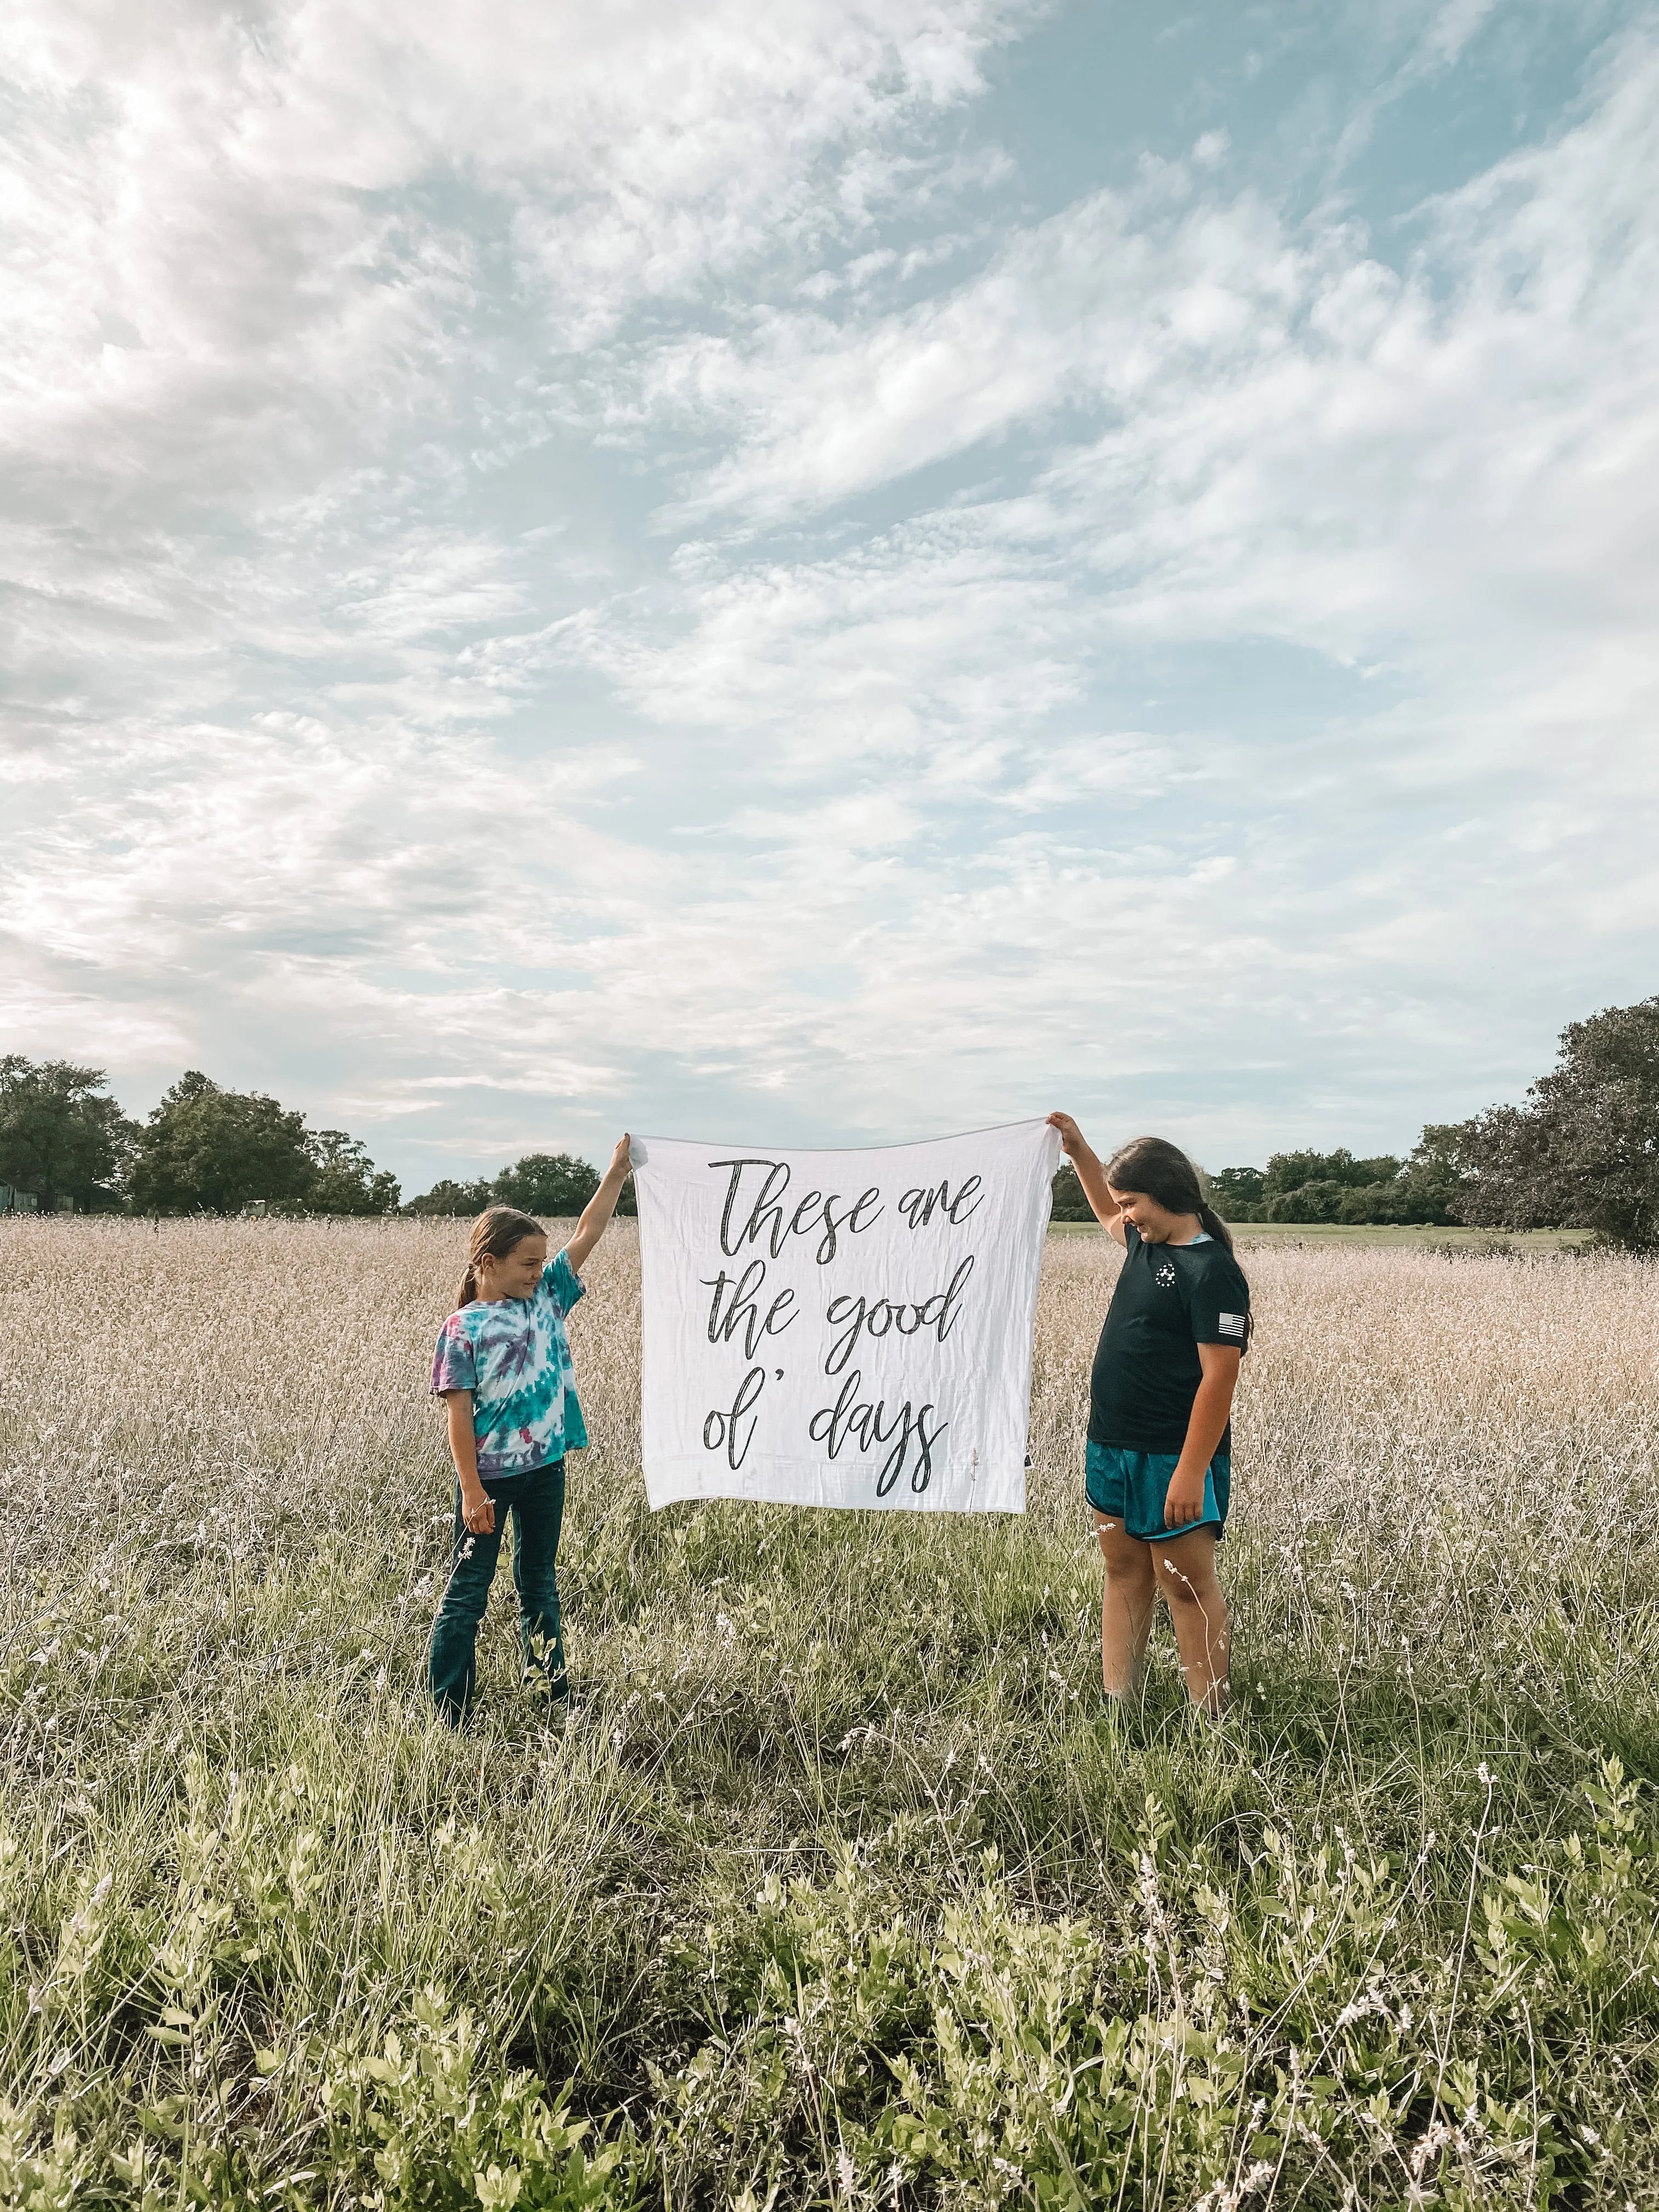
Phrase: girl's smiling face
(1156, 1224)
(516, 1274)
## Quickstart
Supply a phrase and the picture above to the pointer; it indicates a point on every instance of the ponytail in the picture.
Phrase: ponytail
(497, 1230)
(1213, 1224)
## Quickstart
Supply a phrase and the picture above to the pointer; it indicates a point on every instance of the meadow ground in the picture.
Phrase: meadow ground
(842, 1891)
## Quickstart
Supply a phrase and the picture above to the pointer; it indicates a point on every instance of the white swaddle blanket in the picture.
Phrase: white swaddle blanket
(843, 1327)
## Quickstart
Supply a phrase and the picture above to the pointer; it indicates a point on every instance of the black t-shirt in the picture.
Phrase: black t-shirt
(1169, 1299)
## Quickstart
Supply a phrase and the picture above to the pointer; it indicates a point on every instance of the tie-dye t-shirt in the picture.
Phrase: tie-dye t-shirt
(514, 1358)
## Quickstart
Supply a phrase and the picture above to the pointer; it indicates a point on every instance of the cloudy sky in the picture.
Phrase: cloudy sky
(846, 569)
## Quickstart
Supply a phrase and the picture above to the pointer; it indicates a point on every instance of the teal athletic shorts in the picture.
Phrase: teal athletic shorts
(1131, 1486)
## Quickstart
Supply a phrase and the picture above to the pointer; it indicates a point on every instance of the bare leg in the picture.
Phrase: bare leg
(1126, 1608)
(1185, 1575)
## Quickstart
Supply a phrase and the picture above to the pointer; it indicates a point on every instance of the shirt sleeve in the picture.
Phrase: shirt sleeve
(1220, 1305)
(565, 1284)
(454, 1365)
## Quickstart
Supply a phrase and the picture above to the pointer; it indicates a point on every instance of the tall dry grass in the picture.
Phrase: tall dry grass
(840, 1885)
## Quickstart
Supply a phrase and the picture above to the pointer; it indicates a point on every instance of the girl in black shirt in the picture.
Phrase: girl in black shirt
(1160, 1398)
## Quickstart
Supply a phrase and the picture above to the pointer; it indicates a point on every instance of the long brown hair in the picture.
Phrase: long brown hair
(495, 1232)
(1163, 1172)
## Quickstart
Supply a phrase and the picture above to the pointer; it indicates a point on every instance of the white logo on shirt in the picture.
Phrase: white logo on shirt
(1232, 1324)
(1166, 1275)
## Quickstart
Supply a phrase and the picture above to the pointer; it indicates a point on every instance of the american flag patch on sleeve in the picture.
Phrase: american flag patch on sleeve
(1232, 1324)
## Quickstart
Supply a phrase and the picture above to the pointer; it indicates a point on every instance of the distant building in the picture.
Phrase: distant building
(17, 1201)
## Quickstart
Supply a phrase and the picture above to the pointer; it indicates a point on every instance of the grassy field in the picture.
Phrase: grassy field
(843, 1891)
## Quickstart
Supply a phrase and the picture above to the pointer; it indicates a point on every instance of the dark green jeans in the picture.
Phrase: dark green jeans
(536, 1501)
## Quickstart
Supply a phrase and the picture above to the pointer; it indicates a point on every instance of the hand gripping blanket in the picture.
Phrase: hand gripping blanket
(843, 1327)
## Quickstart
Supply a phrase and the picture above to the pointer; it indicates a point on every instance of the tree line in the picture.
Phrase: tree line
(65, 1141)
(1582, 1152)
(205, 1148)
(551, 1183)
(1310, 1186)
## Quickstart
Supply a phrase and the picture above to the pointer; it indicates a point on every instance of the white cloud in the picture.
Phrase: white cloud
(1446, 470)
(1298, 439)
(861, 658)
(1100, 305)
(228, 258)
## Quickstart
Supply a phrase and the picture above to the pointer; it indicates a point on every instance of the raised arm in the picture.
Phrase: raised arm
(1077, 1149)
(596, 1215)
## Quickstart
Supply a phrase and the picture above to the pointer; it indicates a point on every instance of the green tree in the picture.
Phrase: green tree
(1315, 1187)
(1068, 1202)
(1431, 1179)
(1289, 1171)
(214, 1151)
(1237, 1192)
(1292, 1171)
(554, 1183)
(1583, 1153)
(551, 1185)
(452, 1198)
(345, 1180)
(59, 1136)
(1317, 1200)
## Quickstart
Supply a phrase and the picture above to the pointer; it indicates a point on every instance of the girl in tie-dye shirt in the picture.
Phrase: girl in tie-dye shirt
(502, 1365)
